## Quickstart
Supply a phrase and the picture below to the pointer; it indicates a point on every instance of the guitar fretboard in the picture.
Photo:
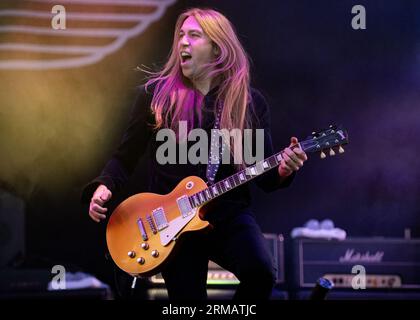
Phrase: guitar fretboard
(326, 139)
(235, 180)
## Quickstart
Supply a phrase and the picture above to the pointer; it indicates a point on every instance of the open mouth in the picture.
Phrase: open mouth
(185, 57)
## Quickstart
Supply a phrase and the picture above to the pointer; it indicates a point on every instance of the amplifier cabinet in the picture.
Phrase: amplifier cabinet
(385, 262)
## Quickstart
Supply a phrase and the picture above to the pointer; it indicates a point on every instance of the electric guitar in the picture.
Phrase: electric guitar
(143, 230)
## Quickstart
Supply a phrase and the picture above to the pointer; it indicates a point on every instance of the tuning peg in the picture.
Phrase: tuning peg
(323, 155)
(332, 153)
(341, 149)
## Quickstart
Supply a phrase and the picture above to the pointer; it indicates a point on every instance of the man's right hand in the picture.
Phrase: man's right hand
(96, 207)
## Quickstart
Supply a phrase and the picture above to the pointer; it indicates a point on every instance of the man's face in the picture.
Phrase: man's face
(194, 47)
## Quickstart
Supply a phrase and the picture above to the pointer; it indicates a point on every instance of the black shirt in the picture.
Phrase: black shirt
(164, 178)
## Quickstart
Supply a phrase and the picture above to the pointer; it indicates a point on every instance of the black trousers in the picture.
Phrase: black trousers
(238, 246)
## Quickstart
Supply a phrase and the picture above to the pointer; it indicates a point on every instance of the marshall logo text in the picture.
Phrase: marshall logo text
(353, 256)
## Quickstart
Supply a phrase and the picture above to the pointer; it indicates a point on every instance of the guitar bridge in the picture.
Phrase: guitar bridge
(151, 223)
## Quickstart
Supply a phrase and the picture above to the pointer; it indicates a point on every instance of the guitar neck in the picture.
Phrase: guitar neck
(325, 140)
(221, 187)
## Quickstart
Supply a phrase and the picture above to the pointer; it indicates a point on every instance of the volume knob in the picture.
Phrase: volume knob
(145, 245)
(141, 260)
(155, 253)
(131, 254)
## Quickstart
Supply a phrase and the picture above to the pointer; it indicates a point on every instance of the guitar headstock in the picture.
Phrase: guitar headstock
(327, 139)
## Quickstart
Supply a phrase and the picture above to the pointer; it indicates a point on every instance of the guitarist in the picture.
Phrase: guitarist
(207, 72)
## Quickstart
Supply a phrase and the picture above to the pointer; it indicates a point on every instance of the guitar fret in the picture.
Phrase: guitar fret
(244, 176)
(190, 199)
(251, 171)
(216, 186)
(208, 194)
(273, 161)
(221, 185)
(257, 169)
(260, 167)
(196, 200)
(236, 179)
(231, 184)
(225, 184)
(232, 181)
(214, 189)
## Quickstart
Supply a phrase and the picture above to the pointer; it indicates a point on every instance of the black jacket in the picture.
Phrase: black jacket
(164, 178)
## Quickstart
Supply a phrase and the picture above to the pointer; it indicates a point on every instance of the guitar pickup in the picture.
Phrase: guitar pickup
(184, 206)
(160, 218)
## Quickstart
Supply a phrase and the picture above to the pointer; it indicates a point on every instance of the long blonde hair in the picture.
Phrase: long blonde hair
(174, 97)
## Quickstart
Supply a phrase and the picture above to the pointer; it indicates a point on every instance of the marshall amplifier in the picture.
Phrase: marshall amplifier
(374, 263)
(217, 276)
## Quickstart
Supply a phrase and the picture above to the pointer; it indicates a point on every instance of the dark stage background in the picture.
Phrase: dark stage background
(314, 69)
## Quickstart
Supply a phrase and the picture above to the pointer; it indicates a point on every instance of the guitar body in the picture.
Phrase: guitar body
(133, 237)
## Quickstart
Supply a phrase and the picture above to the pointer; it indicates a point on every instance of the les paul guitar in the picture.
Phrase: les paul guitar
(143, 230)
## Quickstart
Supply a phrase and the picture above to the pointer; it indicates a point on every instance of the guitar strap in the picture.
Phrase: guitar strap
(216, 151)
